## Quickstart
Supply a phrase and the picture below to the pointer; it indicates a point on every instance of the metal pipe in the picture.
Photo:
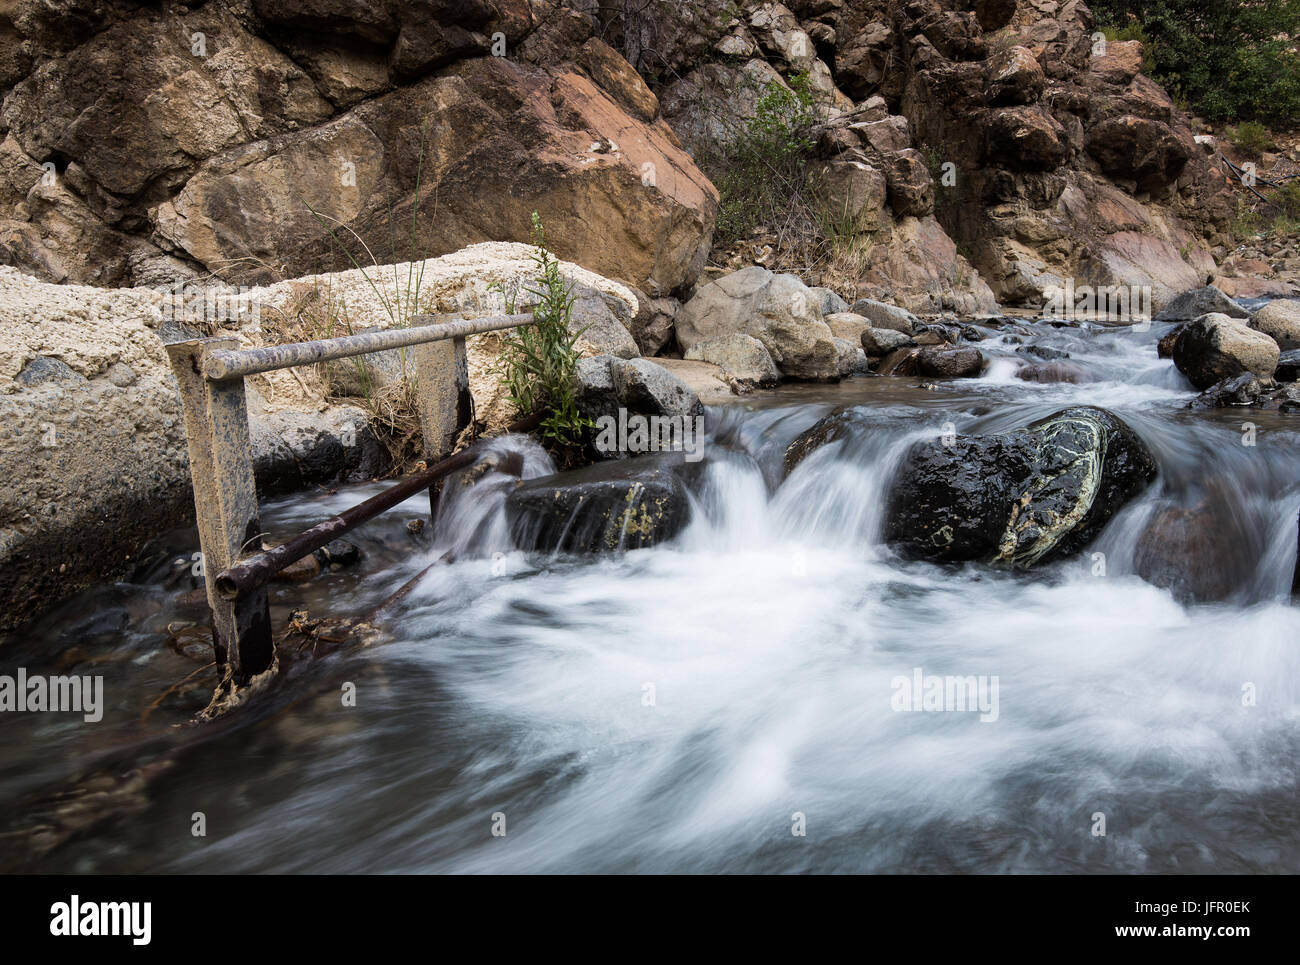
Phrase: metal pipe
(256, 571)
(233, 363)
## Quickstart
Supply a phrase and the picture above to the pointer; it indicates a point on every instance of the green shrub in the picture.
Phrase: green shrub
(538, 364)
(1251, 137)
(1227, 59)
(760, 172)
(1287, 198)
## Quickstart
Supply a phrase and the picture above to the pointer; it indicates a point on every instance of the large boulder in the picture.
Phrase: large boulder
(642, 386)
(606, 507)
(741, 356)
(1215, 347)
(209, 139)
(950, 362)
(1198, 302)
(1280, 320)
(881, 315)
(1017, 498)
(881, 341)
(778, 310)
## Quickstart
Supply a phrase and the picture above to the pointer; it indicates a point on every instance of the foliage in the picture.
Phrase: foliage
(760, 172)
(1227, 59)
(538, 364)
(1251, 137)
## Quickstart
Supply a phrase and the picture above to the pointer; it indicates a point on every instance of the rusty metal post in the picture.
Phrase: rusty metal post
(225, 501)
(443, 396)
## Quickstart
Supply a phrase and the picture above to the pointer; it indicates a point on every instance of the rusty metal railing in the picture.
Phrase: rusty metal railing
(211, 373)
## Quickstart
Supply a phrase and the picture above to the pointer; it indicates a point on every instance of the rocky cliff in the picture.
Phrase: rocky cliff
(140, 143)
(988, 149)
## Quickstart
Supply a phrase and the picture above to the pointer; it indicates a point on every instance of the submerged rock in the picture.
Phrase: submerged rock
(1016, 498)
(838, 425)
(603, 508)
(1189, 553)
(1244, 389)
(1215, 347)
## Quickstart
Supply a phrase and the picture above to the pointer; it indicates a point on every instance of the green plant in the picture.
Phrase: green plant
(538, 364)
(1251, 137)
(761, 170)
(1229, 59)
(1287, 198)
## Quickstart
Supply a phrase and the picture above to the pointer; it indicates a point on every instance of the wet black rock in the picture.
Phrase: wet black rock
(1042, 352)
(602, 508)
(1244, 389)
(841, 423)
(1165, 347)
(1016, 498)
(1288, 366)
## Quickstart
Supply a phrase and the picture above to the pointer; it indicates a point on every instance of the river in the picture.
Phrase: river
(692, 706)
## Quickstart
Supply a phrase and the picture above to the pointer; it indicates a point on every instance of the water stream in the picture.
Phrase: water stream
(678, 708)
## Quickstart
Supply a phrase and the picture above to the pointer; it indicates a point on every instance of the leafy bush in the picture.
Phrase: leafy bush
(539, 362)
(1227, 59)
(760, 172)
(1251, 137)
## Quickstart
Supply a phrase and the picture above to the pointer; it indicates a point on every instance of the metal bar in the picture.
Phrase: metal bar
(443, 398)
(225, 501)
(252, 574)
(233, 363)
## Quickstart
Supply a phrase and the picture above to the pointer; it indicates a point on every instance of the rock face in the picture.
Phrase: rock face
(602, 508)
(1198, 302)
(1280, 320)
(1215, 347)
(204, 139)
(778, 310)
(1018, 498)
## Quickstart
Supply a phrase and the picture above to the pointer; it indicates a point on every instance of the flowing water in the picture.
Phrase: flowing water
(690, 707)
